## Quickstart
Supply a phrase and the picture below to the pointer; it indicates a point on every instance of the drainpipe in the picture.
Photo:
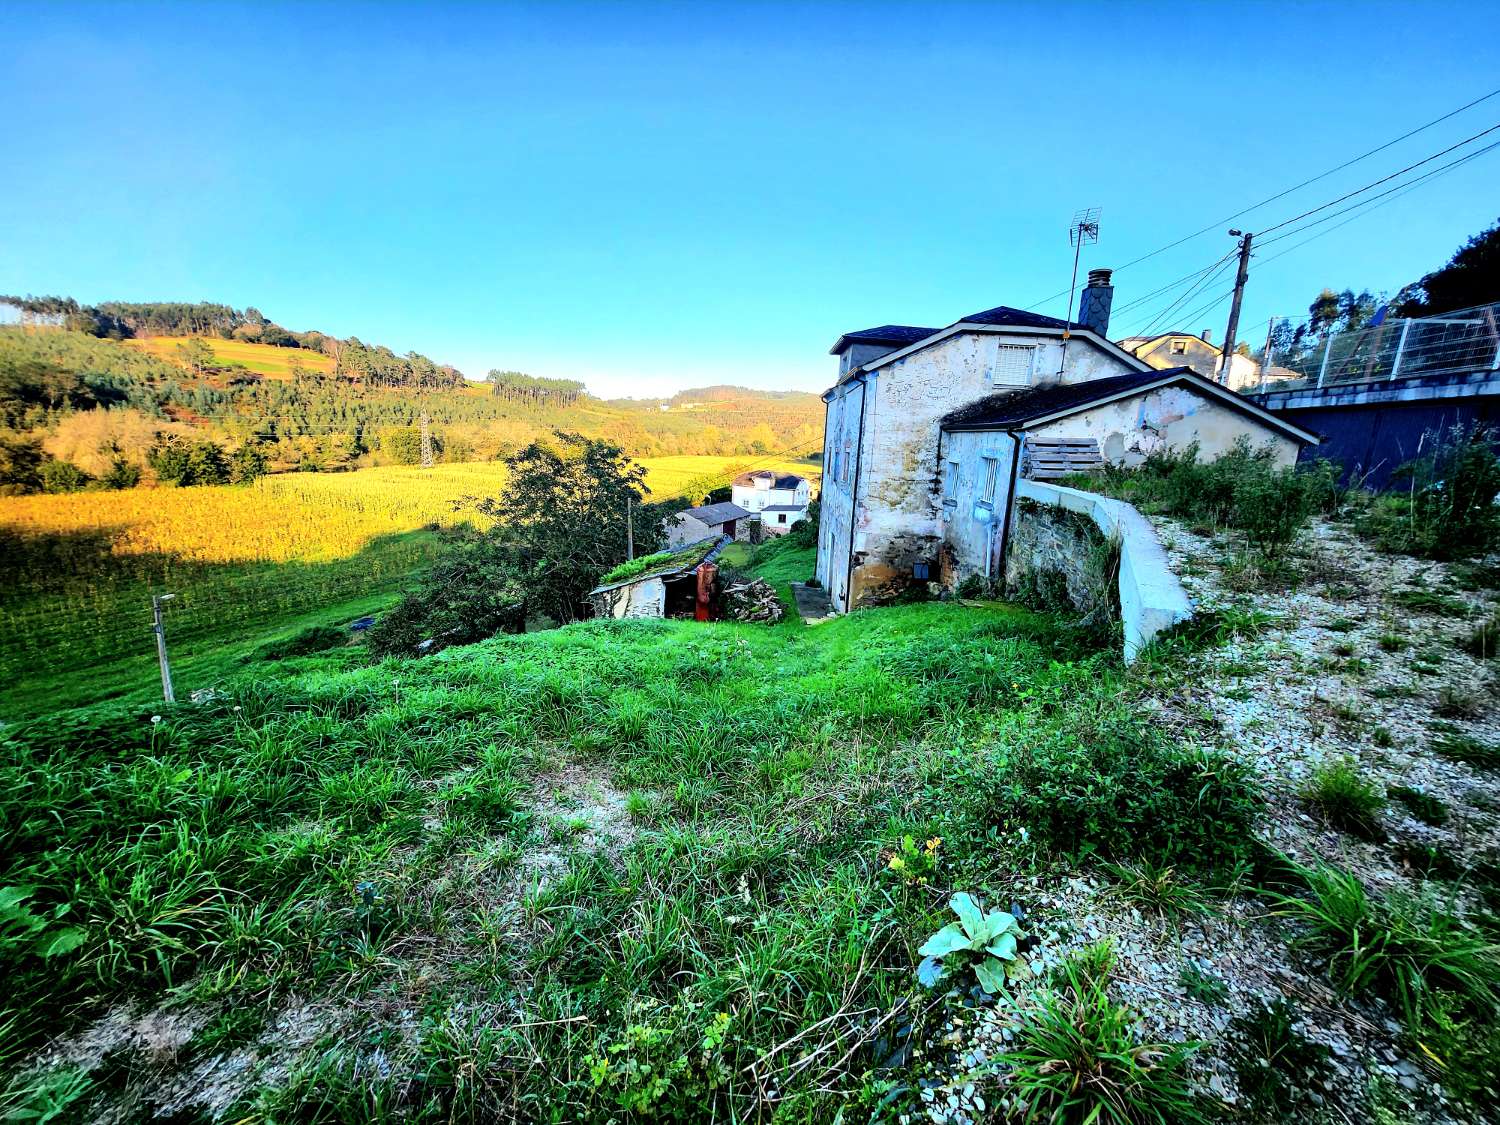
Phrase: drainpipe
(1010, 498)
(859, 457)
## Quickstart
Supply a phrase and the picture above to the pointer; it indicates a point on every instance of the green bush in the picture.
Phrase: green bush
(1448, 509)
(315, 638)
(468, 594)
(63, 476)
(1120, 790)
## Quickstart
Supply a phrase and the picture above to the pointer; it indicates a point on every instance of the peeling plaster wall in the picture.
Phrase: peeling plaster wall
(972, 527)
(1172, 417)
(898, 521)
(640, 599)
(683, 529)
(835, 527)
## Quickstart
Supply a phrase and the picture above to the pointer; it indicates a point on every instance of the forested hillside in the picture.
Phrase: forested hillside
(119, 394)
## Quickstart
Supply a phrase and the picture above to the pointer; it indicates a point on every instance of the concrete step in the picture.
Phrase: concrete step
(813, 605)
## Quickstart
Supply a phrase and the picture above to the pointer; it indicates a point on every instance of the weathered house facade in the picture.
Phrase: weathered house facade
(927, 430)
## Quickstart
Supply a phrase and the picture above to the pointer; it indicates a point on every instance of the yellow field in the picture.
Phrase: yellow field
(272, 362)
(308, 517)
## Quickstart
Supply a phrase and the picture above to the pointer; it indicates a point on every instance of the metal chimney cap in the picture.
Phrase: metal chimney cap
(1099, 277)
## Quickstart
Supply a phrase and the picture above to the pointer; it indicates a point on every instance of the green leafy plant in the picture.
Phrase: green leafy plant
(27, 934)
(986, 941)
(1202, 986)
(915, 864)
(1078, 1060)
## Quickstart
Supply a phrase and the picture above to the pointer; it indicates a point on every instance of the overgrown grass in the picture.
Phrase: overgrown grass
(1346, 797)
(426, 836)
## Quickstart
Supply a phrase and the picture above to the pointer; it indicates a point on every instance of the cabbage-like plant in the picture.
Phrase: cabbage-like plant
(987, 942)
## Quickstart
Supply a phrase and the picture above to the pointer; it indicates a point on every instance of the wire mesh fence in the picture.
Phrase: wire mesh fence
(1464, 341)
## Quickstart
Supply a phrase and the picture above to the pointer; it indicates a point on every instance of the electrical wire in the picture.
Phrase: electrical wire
(1387, 179)
(1285, 192)
(1161, 316)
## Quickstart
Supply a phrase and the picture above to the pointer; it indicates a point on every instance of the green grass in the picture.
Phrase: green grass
(1345, 797)
(612, 846)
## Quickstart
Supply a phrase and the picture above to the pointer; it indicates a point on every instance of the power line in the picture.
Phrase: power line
(1426, 177)
(1387, 179)
(1287, 191)
(1218, 270)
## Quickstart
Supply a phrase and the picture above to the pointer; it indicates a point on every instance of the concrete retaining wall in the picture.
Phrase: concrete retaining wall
(1151, 597)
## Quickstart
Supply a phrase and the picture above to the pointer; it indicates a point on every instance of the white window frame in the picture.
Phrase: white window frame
(1009, 373)
(950, 486)
(991, 479)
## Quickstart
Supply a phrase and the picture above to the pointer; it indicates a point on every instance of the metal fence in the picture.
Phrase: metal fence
(1454, 343)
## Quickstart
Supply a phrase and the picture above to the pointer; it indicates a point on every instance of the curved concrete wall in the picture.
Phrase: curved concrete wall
(1151, 598)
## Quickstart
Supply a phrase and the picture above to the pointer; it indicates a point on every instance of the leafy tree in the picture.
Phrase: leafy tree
(196, 355)
(185, 464)
(1471, 277)
(561, 520)
(20, 464)
(246, 464)
(120, 474)
(469, 594)
(63, 476)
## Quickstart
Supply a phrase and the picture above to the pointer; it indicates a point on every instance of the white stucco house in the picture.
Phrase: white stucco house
(928, 429)
(780, 499)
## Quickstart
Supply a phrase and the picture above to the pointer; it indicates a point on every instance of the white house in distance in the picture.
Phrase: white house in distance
(927, 429)
(780, 499)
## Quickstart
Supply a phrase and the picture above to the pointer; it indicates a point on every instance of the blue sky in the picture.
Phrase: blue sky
(657, 196)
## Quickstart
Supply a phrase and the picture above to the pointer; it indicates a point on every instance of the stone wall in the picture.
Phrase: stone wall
(1150, 598)
(1059, 560)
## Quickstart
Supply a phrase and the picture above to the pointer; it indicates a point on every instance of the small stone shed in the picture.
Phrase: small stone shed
(677, 583)
(693, 525)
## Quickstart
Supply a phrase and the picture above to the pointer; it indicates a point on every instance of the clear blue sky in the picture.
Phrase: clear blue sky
(655, 196)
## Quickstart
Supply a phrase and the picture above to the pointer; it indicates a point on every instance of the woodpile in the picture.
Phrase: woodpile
(755, 600)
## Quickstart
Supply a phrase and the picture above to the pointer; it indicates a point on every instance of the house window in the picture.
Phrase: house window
(1013, 363)
(781, 517)
(1179, 347)
(950, 486)
(991, 477)
(844, 471)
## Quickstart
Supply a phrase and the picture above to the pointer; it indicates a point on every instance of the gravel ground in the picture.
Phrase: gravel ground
(1344, 664)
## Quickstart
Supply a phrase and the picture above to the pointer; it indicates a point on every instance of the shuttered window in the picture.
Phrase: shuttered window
(1013, 364)
(991, 475)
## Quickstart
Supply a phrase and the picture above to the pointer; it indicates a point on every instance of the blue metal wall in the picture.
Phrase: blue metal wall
(1370, 442)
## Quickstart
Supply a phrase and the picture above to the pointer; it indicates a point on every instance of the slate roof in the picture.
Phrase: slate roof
(1016, 408)
(783, 508)
(783, 480)
(714, 514)
(897, 335)
(1017, 318)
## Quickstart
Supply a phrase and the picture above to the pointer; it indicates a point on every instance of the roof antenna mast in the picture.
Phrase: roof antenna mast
(1085, 229)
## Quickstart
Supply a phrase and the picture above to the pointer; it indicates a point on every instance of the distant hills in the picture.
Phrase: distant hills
(93, 384)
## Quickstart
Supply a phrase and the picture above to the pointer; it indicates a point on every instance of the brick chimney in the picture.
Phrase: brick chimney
(1093, 307)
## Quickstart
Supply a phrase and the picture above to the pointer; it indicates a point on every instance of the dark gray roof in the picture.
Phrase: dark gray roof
(783, 480)
(1006, 316)
(896, 335)
(783, 508)
(1015, 410)
(714, 514)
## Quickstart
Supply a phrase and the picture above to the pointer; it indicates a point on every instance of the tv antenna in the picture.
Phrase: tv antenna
(1084, 231)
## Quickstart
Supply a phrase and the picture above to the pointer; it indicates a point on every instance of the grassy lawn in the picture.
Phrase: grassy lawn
(616, 871)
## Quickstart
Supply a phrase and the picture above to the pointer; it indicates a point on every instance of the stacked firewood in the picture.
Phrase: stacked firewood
(755, 600)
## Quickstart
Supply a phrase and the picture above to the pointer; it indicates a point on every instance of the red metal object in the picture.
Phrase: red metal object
(703, 603)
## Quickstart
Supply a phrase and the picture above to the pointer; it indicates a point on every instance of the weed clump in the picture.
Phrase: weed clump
(315, 638)
(1420, 803)
(1273, 1062)
(1346, 798)
(1124, 792)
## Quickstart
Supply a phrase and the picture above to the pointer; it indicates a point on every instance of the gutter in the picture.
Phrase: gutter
(859, 459)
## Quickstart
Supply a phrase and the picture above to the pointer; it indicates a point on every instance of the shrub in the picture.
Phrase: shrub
(1078, 1060)
(1345, 797)
(1400, 946)
(1448, 511)
(315, 638)
(469, 594)
(63, 476)
(1122, 791)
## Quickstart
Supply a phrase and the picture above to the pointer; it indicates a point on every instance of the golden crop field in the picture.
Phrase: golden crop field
(80, 568)
(273, 362)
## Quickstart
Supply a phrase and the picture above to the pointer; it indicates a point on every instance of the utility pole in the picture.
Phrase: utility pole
(1234, 308)
(426, 441)
(629, 528)
(160, 630)
(1267, 354)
